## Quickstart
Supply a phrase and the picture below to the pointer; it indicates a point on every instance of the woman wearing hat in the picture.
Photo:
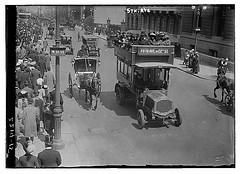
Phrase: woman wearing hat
(28, 160)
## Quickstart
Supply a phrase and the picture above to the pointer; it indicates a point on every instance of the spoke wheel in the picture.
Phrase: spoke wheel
(140, 119)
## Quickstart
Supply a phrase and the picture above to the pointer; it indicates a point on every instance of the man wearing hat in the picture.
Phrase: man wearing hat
(48, 60)
(35, 74)
(24, 76)
(49, 79)
(29, 90)
(42, 65)
(49, 157)
(30, 117)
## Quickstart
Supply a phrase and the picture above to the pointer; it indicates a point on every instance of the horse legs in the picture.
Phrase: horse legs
(222, 95)
(217, 87)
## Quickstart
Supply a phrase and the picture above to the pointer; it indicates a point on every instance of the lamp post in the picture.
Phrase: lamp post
(57, 112)
(197, 29)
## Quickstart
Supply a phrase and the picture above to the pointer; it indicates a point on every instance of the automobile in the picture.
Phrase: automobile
(156, 107)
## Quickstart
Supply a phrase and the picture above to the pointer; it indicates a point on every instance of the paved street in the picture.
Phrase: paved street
(110, 135)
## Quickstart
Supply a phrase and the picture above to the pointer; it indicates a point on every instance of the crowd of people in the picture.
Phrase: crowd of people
(127, 39)
(35, 90)
(191, 60)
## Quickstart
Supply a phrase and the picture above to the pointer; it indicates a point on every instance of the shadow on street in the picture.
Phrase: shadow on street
(221, 106)
(80, 99)
(108, 100)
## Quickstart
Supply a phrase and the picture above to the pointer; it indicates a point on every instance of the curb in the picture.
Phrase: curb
(196, 75)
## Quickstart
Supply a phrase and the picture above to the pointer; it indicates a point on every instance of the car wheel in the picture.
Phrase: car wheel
(119, 96)
(178, 118)
(140, 119)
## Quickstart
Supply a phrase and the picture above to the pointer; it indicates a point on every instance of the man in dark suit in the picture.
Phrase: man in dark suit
(49, 157)
(42, 66)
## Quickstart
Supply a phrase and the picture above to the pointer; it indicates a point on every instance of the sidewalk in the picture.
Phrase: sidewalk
(69, 153)
(206, 72)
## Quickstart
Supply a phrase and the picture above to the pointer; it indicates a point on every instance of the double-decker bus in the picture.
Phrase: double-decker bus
(24, 16)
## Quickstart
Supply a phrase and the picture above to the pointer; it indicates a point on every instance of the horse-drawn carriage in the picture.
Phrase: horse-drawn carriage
(67, 42)
(92, 42)
(86, 75)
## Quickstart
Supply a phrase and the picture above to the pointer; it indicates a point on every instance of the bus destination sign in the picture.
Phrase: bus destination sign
(153, 51)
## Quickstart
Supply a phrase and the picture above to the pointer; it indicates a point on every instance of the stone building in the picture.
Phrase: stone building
(217, 24)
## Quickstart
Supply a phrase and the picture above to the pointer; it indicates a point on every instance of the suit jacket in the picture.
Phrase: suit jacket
(32, 162)
(49, 158)
(49, 80)
(35, 74)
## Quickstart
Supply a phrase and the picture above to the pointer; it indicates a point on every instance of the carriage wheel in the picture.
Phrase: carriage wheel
(70, 84)
(140, 118)
(229, 103)
(178, 117)
(119, 96)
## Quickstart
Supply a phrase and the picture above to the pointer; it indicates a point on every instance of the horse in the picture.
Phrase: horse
(223, 83)
(221, 70)
(93, 88)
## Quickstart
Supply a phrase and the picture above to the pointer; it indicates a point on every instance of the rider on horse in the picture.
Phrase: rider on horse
(222, 66)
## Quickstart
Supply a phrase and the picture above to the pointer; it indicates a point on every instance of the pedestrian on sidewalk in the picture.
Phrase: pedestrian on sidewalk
(49, 79)
(195, 63)
(49, 157)
(48, 60)
(29, 160)
(48, 119)
(42, 65)
(30, 118)
(38, 103)
(28, 89)
(53, 95)
(35, 74)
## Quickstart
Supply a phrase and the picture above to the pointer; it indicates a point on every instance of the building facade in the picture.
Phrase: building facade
(217, 24)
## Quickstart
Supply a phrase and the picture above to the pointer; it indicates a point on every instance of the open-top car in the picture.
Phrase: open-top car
(155, 106)
(92, 42)
(67, 42)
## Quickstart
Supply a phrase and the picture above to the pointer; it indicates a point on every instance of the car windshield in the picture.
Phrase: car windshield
(85, 65)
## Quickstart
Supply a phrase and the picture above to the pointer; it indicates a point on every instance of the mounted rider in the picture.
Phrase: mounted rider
(222, 67)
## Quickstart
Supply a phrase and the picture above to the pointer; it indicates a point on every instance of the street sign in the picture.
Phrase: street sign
(57, 51)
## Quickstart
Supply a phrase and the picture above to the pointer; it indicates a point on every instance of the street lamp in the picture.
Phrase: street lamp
(197, 29)
(57, 112)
